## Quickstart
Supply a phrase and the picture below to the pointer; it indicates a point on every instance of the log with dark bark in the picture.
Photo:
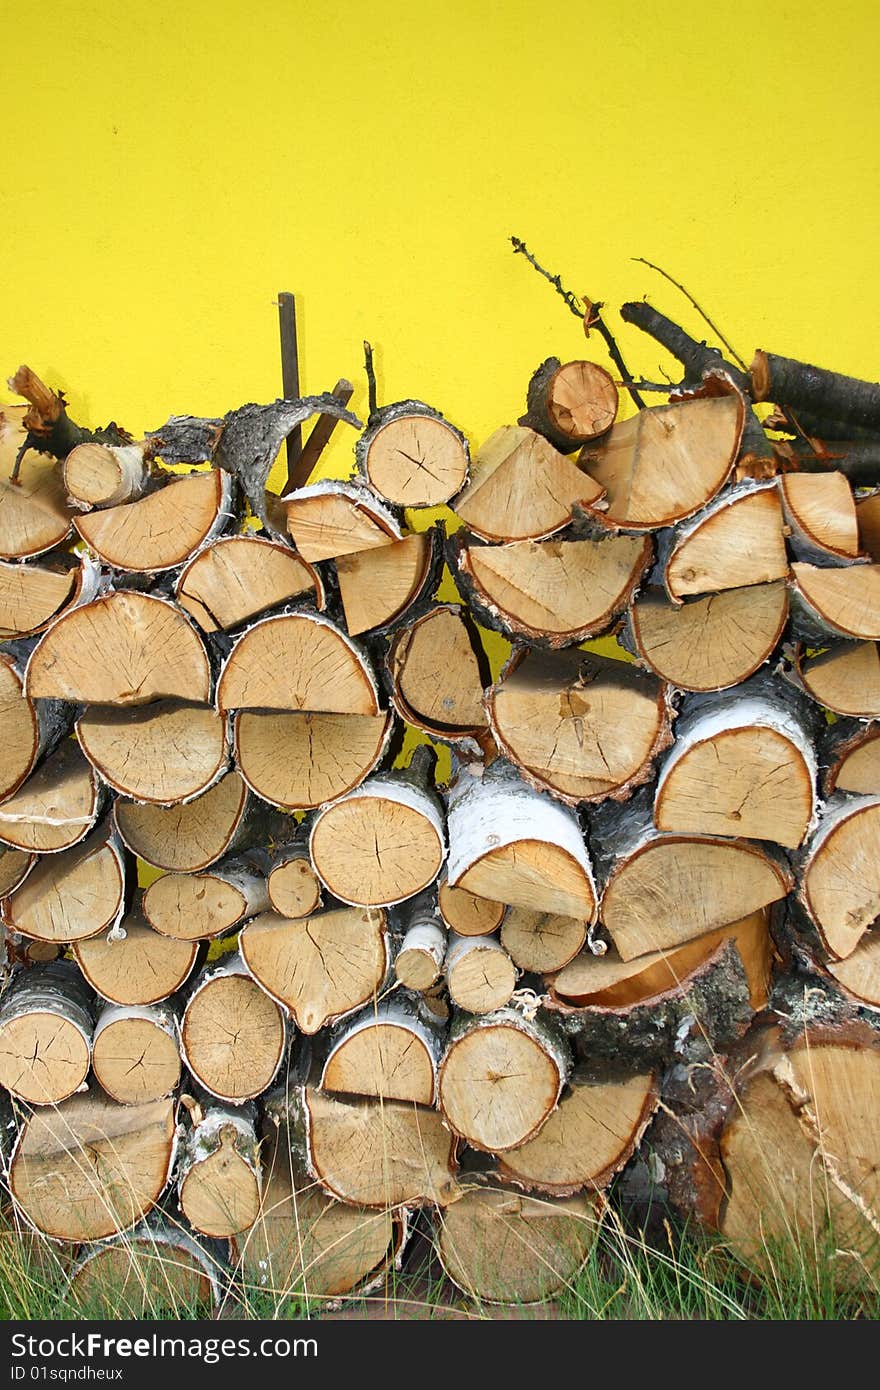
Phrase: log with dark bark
(570, 403)
(797, 384)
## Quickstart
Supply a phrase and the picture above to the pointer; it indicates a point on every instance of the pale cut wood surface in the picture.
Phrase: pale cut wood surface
(293, 886)
(822, 505)
(239, 577)
(141, 1277)
(521, 488)
(542, 941)
(71, 895)
(161, 530)
(498, 1085)
(20, 742)
(186, 836)
(467, 914)
(135, 1060)
(296, 661)
(30, 596)
(332, 521)
(143, 968)
(416, 461)
(841, 880)
(845, 678)
(443, 696)
(163, 752)
(378, 585)
(847, 600)
(220, 1193)
(232, 1036)
(44, 1058)
(713, 642)
(382, 1059)
(303, 760)
(738, 545)
(375, 850)
(34, 511)
(533, 874)
(56, 807)
(581, 401)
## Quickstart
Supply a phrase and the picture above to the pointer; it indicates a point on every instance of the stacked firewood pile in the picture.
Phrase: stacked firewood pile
(631, 928)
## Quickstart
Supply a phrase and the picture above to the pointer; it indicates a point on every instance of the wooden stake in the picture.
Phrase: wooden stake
(290, 375)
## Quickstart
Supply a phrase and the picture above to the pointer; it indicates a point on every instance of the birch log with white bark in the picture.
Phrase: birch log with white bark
(233, 1035)
(47, 1017)
(135, 1052)
(56, 807)
(391, 1049)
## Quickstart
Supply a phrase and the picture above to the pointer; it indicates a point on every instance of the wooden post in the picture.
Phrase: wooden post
(290, 375)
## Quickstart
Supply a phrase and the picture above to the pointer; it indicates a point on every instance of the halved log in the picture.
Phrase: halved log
(15, 865)
(466, 913)
(412, 456)
(518, 846)
(162, 530)
(391, 1049)
(318, 967)
(233, 1035)
(840, 872)
(830, 603)
(480, 975)
(859, 975)
(378, 586)
(821, 515)
(106, 475)
(521, 488)
(34, 512)
(89, 1167)
(442, 698)
(47, 1016)
(74, 894)
(712, 642)
(551, 592)
(293, 886)
(845, 678)
(163, 752)
(868, 518)
(594, 1131)
(499, 1246)
(31, 596)
(743, 763)
(30, 729)
(666, 462)
(237, 578)
(303, 760)
(193, 835)
(140, 968)
(579, 725)
(297, 661)
(56, 807)
(736, 541)
(153, 1270)
(376, 1153)
(502, 1076)
(541, 941)
(149, 651)
(135, 1054)
(196, 907)
(419, 961)
(850, 757)
(329, 519)
(219, 1182)
(663, 889)
(571, 403)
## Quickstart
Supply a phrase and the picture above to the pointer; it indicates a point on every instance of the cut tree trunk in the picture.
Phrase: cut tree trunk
(480, 975)
(859, 975)
(845, 678)
(87, 1168)
(552, 593)
(579, 725)
(466, 913)
(164, 752)
(330, 519)
(840, 872)
(107, 475)
(32, 596)
(391, 1049)
(830, 603)
(47, 1016)
(297, 661)
(571, 403)
(14, 869)
(850, 757)
(140, 968)
(821, 516)
(302, 760)
(196, 907)
(30, 729)
(541, 942)
(135, 1052)
(743, 763)
(156, 1268)
(219, 1183)
(233, 1034)
(161, 531)
(521, 488)
(74, 894)
(734, 542)
(501, 1077)
(418, 964)
(319, 967)
(56, 807)
(712, 642)
(518, 846)
(293, 886)
(34, 512)
(378, 586)
(787, 382)
(442, 698)
(191, 836)
(666, 462)
(412, 457)
(149, 651)
(236, 579)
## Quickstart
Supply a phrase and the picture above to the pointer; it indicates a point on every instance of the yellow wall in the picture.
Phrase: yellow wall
(169, 167)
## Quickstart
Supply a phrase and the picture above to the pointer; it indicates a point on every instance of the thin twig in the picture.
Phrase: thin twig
(699, 308)
(588, 313)
(371, 379)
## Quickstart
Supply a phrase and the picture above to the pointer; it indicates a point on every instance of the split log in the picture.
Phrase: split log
(868, 519)
(411, 456)
(163, 752)
(140, 968)
(297, 661)
(74, 894)
(859, 975)
(30, 728)
(149, 651)
(88, 1167)
(663, 889)
(541, 942)
(47, 1016)
(521, 488)
(107, 475)
(197, 907)
(15, 865)
(736, 541)
(302, 760)
(579, 725)
(391, 1049)
(419, 961)
(594, 1131)
(233, 1034)
(218, 1177)
(330, 519)
(499, 1246)
(850, 757)
(293, 886)
(442, 698)
(480, 975)
(153, 1270)
(238, 578)
(56, 807)
(743, 763)
(162, 530)
(378, 586)
(135, 1054)
(32, 596)
(551, 593)
(712, 642)
(191, 836)
(830, 603)
(821, 515)
(840, 872)
(381, 843)
(502, 1076)
(34, 512)
(318, 967)
(571, 403)
(666, 462)
(787, 382)
(518, 846)
(845, 678)
(375, 1153)
(466, 913)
